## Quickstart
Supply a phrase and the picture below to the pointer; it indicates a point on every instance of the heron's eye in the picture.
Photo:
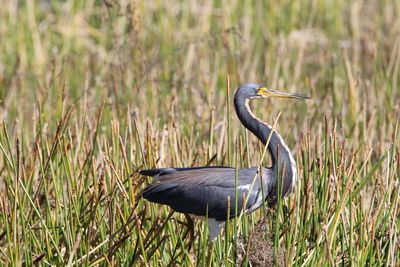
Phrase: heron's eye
(260, 90)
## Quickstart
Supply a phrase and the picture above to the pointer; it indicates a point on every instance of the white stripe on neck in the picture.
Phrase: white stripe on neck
(285, 147)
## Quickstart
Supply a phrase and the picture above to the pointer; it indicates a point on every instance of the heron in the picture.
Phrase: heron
(220, 193)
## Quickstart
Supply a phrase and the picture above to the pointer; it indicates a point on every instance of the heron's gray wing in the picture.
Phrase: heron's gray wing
(209, 191)
(163, 171)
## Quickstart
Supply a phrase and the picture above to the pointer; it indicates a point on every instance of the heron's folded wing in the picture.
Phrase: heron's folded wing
(206, 191)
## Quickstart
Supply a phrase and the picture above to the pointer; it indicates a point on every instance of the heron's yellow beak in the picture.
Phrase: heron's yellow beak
(266, 93)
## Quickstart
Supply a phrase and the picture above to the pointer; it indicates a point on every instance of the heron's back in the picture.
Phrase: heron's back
(208, 191)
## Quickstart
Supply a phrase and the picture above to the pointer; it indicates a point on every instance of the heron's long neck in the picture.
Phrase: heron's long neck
(282, 159)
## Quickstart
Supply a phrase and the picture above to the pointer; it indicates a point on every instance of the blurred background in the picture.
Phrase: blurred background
(170, 58)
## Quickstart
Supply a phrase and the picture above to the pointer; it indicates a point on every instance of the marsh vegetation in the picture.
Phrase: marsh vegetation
(93, 91)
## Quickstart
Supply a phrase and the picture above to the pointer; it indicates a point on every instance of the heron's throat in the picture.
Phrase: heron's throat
(283, 163)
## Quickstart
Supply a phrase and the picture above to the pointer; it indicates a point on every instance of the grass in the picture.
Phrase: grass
(93, 91)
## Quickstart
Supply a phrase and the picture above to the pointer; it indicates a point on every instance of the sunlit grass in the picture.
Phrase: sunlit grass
(93, 91)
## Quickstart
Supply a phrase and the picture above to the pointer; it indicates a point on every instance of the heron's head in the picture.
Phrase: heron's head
(254, 90)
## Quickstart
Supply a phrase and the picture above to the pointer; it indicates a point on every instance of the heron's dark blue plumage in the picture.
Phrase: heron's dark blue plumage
(209, 191)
